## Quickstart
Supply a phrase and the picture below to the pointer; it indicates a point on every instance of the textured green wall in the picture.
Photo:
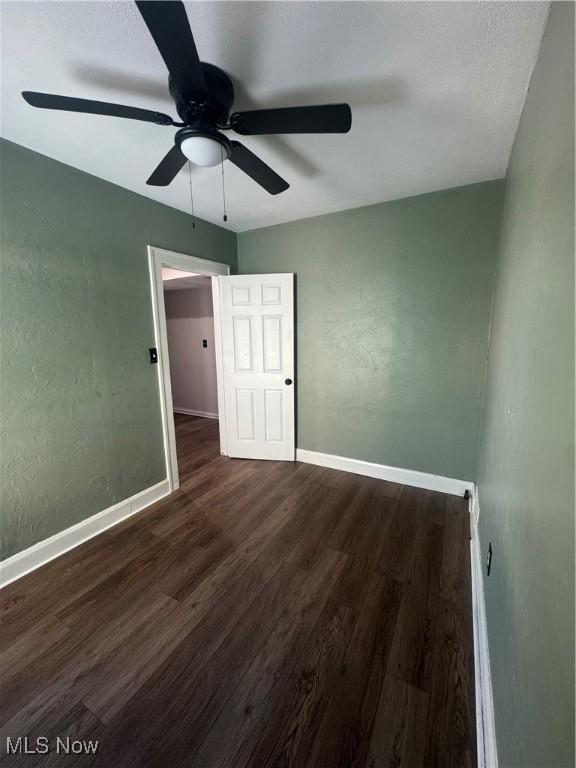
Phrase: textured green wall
(81, 426)
(393, 303)
(526, 479)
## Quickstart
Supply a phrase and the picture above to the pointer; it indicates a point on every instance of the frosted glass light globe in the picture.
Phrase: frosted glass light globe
(201, 150)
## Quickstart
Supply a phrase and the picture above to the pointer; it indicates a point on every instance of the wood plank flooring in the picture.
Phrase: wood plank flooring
(267, 614)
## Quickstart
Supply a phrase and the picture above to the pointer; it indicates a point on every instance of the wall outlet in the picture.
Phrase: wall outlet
(489, 559)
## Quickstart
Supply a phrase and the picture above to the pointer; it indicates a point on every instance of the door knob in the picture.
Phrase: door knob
(288, 381)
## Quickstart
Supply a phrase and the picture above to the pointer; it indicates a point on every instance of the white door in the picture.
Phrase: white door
(257, 328)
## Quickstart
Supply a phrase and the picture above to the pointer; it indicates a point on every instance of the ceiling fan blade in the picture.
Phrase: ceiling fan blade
(257, 169)
(167, 169)
(70, 104)
(327, 118)
(168, 24)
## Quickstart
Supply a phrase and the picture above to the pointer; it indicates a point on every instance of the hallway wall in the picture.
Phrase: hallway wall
(190, 320)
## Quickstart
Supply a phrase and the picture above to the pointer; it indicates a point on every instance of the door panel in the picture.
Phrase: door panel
(272, 343)
(243, 344)
(257, 327)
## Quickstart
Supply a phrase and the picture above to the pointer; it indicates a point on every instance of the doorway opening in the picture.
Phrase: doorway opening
(187, 342)
(253, 343)
(192, 358)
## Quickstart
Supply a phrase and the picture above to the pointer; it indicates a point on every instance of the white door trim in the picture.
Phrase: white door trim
(158, 258)
(487, 747)
(216, 303)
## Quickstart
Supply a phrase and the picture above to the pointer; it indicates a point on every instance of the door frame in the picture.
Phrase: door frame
(158, 258)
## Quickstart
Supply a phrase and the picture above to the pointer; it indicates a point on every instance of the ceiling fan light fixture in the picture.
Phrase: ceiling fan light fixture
(204, 149)
(203, 95)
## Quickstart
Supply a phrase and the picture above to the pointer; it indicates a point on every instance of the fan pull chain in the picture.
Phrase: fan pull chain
(224, 217)
(191, 195)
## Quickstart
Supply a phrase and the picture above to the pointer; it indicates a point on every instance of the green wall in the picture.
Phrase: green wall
(79, 400)
(526, 479)
(393, 318)
(393, 305)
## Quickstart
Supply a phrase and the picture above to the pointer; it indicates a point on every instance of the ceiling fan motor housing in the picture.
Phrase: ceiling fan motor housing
(201, 111)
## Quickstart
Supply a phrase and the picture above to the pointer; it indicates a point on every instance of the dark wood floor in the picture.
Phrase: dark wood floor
(268, 614)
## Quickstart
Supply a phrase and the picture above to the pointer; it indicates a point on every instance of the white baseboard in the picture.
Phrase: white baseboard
(41, 553)
(485, 725)
(191, 412)
(384, 472)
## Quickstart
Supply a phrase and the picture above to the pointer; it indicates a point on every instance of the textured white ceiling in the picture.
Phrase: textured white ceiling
(436, 91)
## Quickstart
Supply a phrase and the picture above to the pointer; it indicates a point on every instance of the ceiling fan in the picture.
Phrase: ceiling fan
(204, 95)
